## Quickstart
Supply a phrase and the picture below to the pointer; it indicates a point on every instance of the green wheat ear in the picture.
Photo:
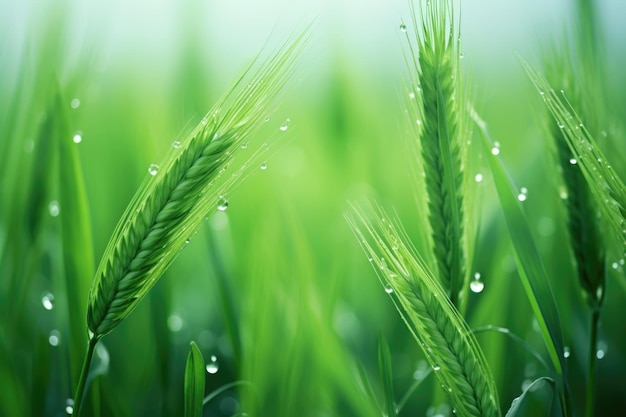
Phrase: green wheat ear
(436, 324)
(436, 64)
(170, 205)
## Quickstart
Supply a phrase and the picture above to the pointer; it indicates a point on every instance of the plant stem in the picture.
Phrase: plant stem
(82, 381)
(591, 378)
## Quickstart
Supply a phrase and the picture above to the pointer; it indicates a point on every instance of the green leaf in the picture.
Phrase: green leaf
(194, 382)
(384, 365)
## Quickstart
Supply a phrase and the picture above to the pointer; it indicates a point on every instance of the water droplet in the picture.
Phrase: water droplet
(600, 354)
(561, 125)
(153, 169)
(244, 145)
(78, 137)
(403, 27)
(212, 367)
(47, 300)
(521, 197)
(477, 286)
(176, 144)
(566, 352)
(436, 368)
(222, 205)
(54, 338)
(264, 166)
(496, 148)
(69, 406)
(285, 125)
(388, 288)
(411, 95)
(541, 92)
(267, 119)
(461, 55)
(478, 177)
(75, 103)
(573, 161)
(53, 208)
(204, 121)
(615, 265)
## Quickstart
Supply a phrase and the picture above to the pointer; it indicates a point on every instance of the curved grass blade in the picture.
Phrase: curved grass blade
(194, 382)
(518, 405)
(446, 339)
(530, 265)
(384, 364)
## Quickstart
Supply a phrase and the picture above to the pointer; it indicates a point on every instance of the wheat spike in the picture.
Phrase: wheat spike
(443, 335)
(170, 205)
(437, 71)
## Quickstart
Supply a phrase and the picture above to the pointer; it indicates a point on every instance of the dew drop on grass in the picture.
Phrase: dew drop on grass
(176, 144)
(573, 161)
(75, 103)
(204, 121)
(411, 95)
(496, 149)
(263, 166)
(69, 406)
(388, 288)
(403, 27)
(244, 145)
(153, 169)
(222, 205)
(54, 338)
(285, 125)
(78, 137)
(478, 177)
(477, 286)
(436, 368)
(521, 197)
(600, 354)
(47, 300)
(212, 367)
(615, 265)
(53, 208)
(566, 352)
(461, 55)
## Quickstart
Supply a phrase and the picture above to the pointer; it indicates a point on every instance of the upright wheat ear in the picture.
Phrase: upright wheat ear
(437, 75)
(179, 194)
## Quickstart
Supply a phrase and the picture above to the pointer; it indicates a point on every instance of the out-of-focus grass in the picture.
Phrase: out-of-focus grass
(306, 306)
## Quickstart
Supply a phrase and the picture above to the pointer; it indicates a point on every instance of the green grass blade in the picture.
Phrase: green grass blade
(78, 260)
(518, 408)
(442, 333)
(194, 382)
(530, 265)
(386, 372)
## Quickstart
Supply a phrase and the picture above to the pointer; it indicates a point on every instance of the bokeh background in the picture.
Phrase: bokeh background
(280, 265)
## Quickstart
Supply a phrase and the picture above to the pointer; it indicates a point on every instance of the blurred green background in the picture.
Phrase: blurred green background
(280, 263)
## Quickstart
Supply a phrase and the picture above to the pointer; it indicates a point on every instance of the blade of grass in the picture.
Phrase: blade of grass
(386, 372)
(530, 265)
(194, 382)
(517, 406)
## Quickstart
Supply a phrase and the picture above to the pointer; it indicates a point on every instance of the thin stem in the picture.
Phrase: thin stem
(80, 389)
(591, 378)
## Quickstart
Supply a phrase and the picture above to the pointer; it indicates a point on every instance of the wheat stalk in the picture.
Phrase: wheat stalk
(172, 203)
(436, 66)
(434, 321)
